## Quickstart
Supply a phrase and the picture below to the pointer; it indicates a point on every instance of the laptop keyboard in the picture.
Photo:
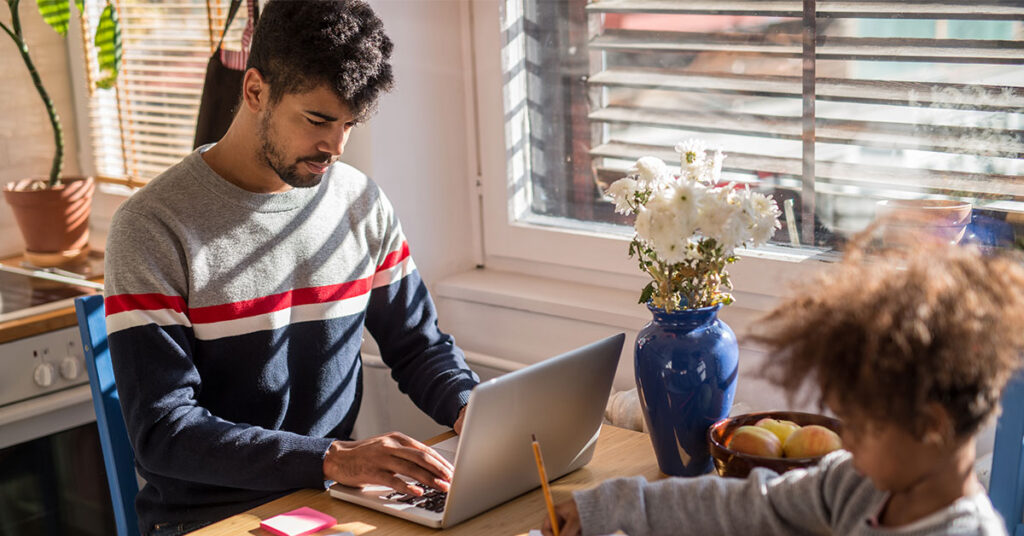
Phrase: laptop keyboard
(433, 500)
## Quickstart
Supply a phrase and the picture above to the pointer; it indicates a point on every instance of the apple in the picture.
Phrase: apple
(779, 427)
(756, 441)
(810, 441)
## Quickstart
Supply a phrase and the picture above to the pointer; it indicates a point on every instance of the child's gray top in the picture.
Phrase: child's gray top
(830, 498)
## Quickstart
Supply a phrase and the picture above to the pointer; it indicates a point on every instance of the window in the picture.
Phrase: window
(147, 122)
(830, 106)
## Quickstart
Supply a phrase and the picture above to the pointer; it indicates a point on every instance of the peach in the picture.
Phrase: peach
(779, 427)
(756, 441)
(810, 441)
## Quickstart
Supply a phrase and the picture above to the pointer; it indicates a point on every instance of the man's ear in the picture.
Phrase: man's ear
(255, 90)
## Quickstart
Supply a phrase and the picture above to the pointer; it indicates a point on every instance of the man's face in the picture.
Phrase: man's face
(303, 133)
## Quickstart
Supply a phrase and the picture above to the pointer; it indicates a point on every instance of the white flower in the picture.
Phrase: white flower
(691, 150)
(650, 172)
(721, 218)
(677, 218)
(692, 159)
(762, 215)
(713, 167)
(668, 221)
(688, 197)
(623, 192)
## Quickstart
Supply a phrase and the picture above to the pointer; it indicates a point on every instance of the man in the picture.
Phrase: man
(238, 283)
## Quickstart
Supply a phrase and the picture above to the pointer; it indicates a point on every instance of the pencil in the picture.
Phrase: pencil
(544, 484)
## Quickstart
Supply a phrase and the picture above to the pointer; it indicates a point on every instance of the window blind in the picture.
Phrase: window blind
(147, 122)
(839, 103)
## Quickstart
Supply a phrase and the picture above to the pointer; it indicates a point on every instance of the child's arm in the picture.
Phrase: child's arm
(799, 502)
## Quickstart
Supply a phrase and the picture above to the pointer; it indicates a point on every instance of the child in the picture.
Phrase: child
(912, 353)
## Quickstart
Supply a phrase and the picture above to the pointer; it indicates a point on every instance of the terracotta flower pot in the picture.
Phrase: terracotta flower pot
(54, 221)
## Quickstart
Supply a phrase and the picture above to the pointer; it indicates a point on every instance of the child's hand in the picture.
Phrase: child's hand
(568, 520)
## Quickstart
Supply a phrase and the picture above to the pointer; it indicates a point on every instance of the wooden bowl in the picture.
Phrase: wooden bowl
(729, 462)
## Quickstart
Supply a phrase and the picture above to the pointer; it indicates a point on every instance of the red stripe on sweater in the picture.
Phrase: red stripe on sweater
(255, 306)
(278, 302)
(395, 257)
(145, 302)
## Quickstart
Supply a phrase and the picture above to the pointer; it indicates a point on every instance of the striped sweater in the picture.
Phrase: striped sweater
(235, 321)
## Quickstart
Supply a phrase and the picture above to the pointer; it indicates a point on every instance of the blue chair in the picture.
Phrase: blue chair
(118, 456)
(1006, 487)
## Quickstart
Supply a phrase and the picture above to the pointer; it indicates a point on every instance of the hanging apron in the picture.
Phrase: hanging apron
(222, 87)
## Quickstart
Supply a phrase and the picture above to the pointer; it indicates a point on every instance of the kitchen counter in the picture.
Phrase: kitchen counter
(45, 321)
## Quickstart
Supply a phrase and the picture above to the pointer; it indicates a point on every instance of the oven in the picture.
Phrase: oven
(52, 479)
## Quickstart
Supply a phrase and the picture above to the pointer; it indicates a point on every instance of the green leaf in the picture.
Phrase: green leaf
(56, 14)
(80, 4)
(646, 293)
(108, 47)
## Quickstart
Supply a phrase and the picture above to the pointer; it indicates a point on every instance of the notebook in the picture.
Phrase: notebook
(561, 400)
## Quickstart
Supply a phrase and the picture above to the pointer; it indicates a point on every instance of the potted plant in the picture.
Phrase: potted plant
(53, 212)
(687, 230)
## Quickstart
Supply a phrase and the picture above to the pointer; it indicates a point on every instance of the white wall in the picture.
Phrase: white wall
(419, 140)
(26, 138)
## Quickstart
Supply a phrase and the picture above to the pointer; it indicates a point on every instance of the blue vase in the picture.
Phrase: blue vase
(686, 364)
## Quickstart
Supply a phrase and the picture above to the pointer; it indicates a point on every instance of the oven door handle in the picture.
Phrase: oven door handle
(44, 404)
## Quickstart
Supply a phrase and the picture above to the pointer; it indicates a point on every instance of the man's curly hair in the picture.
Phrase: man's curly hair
(887, 335)
(300, 45)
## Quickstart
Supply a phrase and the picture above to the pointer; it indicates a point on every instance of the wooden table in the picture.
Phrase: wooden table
(619, 452)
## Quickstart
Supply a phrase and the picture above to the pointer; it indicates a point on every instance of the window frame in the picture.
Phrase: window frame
(587, 255)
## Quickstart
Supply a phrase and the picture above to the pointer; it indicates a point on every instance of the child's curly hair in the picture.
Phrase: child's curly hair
(887, 336)
(299, 45)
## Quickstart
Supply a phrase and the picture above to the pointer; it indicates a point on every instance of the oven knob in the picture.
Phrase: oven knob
(69, 368)
(43, 375)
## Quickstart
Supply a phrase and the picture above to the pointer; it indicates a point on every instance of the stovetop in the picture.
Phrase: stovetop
(23, 295)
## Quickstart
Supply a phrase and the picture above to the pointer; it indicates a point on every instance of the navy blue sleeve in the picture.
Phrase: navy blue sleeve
(425, 361)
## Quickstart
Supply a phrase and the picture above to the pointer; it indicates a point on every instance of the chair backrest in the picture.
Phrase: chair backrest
(118, 456)
(1006, 488)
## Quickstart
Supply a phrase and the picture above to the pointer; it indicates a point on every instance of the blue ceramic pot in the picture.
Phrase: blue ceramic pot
(686, 363)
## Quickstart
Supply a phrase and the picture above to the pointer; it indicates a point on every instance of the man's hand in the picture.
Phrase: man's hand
(568, 520)
(379, 460)
(458, 422)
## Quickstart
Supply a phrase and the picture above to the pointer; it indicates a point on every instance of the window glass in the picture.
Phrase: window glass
(148, 122)
(841, 114)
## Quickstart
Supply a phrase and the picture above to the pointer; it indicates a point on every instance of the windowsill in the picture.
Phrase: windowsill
(613, 305)
(590, 303)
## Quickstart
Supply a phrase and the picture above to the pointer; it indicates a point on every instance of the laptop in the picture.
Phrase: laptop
(561, 400)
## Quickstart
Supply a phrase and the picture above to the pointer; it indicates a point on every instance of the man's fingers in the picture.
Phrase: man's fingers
(392, 481)
(418, 474)
(423, 448)
(378, 460)
(425, 457)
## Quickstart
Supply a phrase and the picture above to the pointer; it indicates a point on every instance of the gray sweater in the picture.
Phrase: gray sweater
(830, 498)
(235, 321)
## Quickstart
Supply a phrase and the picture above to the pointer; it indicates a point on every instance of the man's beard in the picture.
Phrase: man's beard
(289, 174)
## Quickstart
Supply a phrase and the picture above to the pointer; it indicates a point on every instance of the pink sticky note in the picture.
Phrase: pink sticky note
(297, 522)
